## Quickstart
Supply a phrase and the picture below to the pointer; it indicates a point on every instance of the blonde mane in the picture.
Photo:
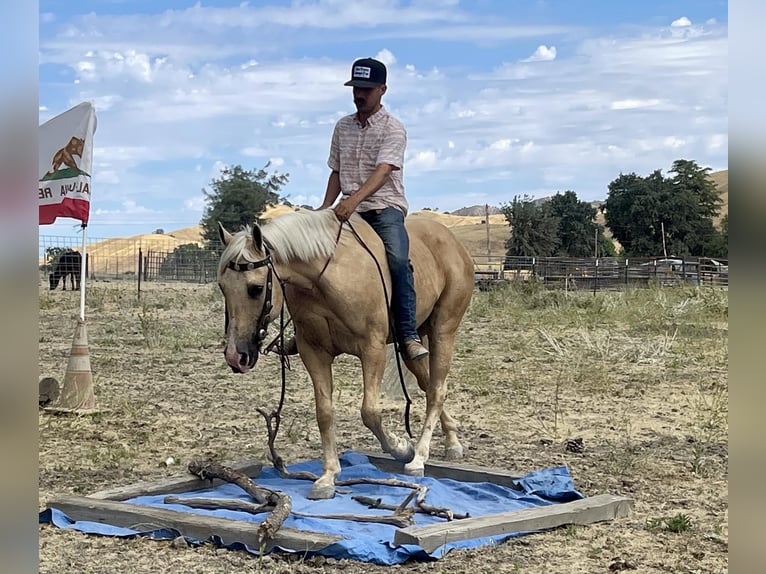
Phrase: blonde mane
(301, 235)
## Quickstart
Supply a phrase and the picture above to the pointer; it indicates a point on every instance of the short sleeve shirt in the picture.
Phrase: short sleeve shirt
(357, 150)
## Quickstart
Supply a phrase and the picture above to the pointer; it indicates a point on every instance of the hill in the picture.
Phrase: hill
(120, 255)
(479, 210)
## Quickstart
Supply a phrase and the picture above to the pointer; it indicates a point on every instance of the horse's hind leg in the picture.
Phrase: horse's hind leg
(453, 450)
(433, 380)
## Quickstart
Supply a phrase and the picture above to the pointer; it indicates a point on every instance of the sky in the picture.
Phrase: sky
(500, 98)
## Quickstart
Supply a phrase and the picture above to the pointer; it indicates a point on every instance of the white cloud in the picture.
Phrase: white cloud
(386, 56)
(219, 86)
(542, 54)
(501, 144)
(422, 160)
(632, 104)
(682, 22)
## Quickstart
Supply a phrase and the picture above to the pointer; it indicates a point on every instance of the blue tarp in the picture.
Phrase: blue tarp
(366, 542)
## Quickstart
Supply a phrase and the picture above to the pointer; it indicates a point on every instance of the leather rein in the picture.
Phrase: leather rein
(267, 306)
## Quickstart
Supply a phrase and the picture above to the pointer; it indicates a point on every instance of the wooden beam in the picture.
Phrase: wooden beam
(459, 472)
(174, 484)
(199, 526)
(585, 511)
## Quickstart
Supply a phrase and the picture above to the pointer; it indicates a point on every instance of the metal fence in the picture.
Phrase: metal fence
(167, 258)
(601, 273)
(154, 258)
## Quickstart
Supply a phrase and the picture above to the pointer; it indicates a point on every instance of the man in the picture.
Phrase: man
(366, 159)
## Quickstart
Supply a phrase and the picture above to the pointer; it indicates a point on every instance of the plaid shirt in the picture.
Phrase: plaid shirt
(357, 150)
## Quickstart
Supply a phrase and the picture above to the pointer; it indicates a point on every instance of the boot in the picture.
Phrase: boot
(413, 350)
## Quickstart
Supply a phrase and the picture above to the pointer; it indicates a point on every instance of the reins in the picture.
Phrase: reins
(392, 325)
(284, 359)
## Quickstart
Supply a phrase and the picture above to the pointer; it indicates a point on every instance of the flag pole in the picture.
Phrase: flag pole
(83, 273)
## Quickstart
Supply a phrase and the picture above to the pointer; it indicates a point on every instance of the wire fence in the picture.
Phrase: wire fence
(163, 258)
(150, 258)
(601, 273)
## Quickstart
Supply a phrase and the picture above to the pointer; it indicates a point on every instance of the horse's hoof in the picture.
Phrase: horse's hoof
(321, 492)
(404, 454)
(413, 470)
(454, 452)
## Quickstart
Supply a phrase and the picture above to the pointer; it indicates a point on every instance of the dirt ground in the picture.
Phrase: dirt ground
(639, 376)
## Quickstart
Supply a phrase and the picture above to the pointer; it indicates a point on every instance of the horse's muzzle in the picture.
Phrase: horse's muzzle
(241, 360)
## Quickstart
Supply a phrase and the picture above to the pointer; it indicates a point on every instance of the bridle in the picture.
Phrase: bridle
(272, 420)
(260, 333)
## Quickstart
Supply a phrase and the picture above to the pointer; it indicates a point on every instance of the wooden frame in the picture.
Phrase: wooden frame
(108, 507)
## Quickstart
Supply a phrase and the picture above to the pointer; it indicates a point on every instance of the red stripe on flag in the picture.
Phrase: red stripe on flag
(75, 208)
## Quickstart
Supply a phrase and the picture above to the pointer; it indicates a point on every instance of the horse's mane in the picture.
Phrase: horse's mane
(300, 235)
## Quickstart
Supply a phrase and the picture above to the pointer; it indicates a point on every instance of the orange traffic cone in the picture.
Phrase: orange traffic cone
(77, 388)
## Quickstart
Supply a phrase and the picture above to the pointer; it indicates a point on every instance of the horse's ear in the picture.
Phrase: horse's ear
(223, 234)
(257, 238)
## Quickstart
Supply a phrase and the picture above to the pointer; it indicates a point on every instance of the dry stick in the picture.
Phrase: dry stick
(273, 420)
(418, 489)
(405, 502)
(378, 503)
(399, 520)
(432, 510)
(281, 502)
(219, 504)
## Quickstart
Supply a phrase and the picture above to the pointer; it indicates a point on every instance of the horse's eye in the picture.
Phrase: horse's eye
(254, 291)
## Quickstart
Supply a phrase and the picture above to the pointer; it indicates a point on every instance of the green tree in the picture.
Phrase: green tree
(533, 228)
(606, 246)
(642, 211)
(692, 202)
(238, 198)
(577, 230)
(189, 262)
(718, 244)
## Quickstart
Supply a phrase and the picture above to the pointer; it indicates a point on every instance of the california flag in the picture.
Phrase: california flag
(66, 161)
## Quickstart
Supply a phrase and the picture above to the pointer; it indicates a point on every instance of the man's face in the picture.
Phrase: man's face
(367, 99)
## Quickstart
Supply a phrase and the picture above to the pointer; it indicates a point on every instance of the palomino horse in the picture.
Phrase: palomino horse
(335, 294)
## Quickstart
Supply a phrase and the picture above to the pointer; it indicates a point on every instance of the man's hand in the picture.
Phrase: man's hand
(345, 208)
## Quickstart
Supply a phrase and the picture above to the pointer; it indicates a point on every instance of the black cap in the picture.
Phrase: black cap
(367, 73)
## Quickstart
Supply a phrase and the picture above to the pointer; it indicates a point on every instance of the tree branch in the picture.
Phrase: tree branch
(280, 501)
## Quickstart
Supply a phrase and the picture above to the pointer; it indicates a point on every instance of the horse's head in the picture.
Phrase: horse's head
(53, 279)
(252, 294)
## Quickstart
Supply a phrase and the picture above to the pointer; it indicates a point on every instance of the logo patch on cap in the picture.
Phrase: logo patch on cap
(362, 72)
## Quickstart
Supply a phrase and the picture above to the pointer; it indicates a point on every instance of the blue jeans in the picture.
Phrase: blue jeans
(388, 223)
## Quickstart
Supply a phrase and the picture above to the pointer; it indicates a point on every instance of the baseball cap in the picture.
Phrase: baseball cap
(367, 73)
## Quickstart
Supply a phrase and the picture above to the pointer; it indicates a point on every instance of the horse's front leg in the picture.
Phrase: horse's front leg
(373, 366)
(319, 367)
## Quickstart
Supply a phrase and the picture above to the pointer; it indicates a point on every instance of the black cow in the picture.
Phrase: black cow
(68, 263)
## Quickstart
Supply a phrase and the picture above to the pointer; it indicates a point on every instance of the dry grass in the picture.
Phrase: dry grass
(640, 377)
